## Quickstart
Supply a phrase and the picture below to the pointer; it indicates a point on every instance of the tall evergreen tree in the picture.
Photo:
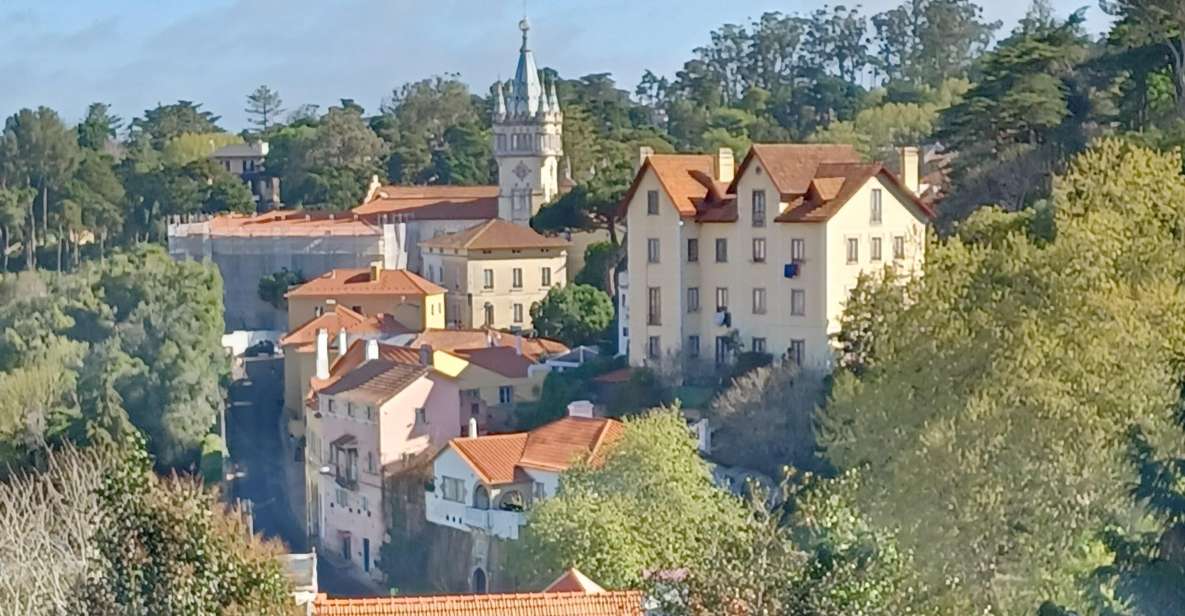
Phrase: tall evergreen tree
(264, 106)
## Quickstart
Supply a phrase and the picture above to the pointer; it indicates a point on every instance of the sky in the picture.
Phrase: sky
(134, 54)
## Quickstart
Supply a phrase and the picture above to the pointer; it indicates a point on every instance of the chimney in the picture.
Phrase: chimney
(373, 189)
(472, 427)
(372, 350)
(910, 168)
(644, 152)
(489, 338)
(322, 354)
(343, 342)
(725, 165)
(426, 355)
(580, 408)
(376, 269)
(518, 344)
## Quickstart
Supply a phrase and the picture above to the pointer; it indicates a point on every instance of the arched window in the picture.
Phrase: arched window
(479, 581)
(481, 497)
(512, 500)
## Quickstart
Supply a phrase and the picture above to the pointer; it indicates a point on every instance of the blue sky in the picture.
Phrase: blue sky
(135, 53)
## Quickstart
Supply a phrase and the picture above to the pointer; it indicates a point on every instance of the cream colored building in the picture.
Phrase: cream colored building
(494, 272)
(764, 256)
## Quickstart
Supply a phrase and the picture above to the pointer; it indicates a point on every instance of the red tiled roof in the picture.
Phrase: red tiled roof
(792, 166)
(503, 360)
(573, 580)
(433, 202)
(376, 381)
(674, 173)
(495, 234)
(357, 281)
(617, 603)
(291, 223)
(834, 185)
(340, 318)
(353, 358)
(465, 339)
(554, 447)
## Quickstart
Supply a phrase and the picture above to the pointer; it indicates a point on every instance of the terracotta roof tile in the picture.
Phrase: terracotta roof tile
(503, 360)
(674, 173)
(433, 202)
(467, 339)
(554, 446)
(290, 223)
(792, 166)
(333, 321)
(354, 357)
(835, 185)
(573, 580)
(495, 234)
(618, 603)
(375, 381)
(357, 281)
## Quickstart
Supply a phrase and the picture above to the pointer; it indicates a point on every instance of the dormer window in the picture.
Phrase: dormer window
(652, 202)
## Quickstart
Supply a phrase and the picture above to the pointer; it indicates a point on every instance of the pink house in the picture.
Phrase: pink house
(376, 416)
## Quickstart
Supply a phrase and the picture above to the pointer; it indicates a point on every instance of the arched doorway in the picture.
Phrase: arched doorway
(479, 581)
(481, 497)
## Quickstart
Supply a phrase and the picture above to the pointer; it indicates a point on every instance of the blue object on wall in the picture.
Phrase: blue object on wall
(791, 270)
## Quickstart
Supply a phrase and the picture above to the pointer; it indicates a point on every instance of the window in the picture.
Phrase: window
(364, 505)
(342, 497)
(853, 250)
(722, 250)
(797, 249)
(489, 314)
(452, 489)
(370, 462)
(506, 394)
(516, 278)
(759, 250)
(329, 406)
(693, 346)
(796, 351)
(518, 313)
(369, 413)
(487, 277)
(723, 344)
(545, 276)
(692, 299)
(797, 302)
(652, 250)
(759, 208)
(345, 463)
(758, 300)
(692, 250)
(875, 213)
(357, 309)
(421, 415)
(652, 202)
(653, 350)
(898, 246)
(349, 409)
(759, 345)
(874, 252)
(654, 306)
(538, 490)
(721, 299)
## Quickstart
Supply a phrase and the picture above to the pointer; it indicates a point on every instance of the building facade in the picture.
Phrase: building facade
(414, 302)
(247, 160)
(494, 273)
(761, 258)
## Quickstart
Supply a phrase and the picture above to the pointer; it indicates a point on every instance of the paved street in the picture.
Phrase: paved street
(253, 425)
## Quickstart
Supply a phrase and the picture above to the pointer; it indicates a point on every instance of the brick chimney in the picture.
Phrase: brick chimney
(322, 370)
(910, 172)
(724, 164)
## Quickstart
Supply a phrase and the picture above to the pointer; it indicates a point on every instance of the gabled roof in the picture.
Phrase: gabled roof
(376, 381)
(341, 318)
(286, 223)
(433, 202)
(792, 166)
(495, 234)
(354, 357)
(503, 360)
(451, 340)
(573, 580)
(674, 173)
(497, 458)
(357, 281)
(616, 603)
(835, 184)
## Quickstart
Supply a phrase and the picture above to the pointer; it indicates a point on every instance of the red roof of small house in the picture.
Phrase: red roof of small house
(615, 603)
(432, 202)
(495, 234)
(534, 348)
(503, 360)
(674, 173)
(361, 281)
(305, 334)
(496, 458)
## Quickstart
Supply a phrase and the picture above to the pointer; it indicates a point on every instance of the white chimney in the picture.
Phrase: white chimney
(372, 350)
(322, 354)
(489, 338)
(472, 427)
(580, 408)
(343, 341)
(518, 344)
(910, 172)
(725, 165)
(644, 152)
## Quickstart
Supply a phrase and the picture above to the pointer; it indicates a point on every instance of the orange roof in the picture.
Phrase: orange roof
(495, 234)
(341, 318)
(555, 446)
(376, 381)
(674, 173)
(792, 166)
(617, 603)
(834, 185)
(354, 357)
(504, 360)
(465, 339)
(573, 580)
(433, 202)
(357, 281)
(291, 223)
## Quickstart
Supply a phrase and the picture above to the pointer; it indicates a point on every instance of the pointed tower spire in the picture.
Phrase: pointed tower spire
(554, 101)
(527, 88)
(544, 106)
(500, 104)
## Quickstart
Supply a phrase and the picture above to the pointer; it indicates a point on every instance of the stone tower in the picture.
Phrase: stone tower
(528, 127)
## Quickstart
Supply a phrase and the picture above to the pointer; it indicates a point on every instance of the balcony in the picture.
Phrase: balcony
(496, 522)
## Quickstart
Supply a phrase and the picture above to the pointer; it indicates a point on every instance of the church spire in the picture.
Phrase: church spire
(553, 100)
(500, 104)
(527, 88)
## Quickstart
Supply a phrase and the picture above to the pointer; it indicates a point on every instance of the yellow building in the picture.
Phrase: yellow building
(416, 303)
(494, 272)
(764, 256)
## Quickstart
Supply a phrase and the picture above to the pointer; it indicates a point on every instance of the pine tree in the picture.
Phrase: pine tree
(264, 105)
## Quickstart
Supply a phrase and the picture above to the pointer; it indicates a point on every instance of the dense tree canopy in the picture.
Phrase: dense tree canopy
(575, 314)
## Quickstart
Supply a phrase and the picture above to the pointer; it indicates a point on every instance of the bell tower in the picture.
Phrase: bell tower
(528, 129)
